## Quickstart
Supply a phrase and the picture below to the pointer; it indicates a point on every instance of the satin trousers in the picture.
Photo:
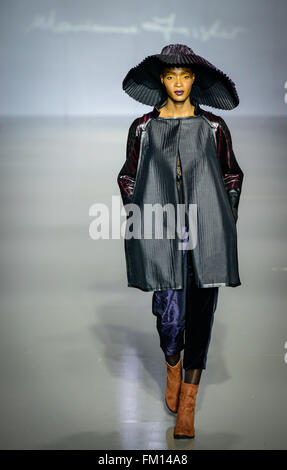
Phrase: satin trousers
(184, 318)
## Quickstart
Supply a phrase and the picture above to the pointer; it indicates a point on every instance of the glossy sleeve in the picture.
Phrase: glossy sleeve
(231, 171)
(127, 175)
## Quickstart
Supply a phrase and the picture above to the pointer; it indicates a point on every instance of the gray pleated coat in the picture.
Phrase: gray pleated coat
(156, 264)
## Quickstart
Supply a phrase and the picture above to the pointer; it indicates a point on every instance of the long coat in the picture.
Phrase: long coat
(212, 180)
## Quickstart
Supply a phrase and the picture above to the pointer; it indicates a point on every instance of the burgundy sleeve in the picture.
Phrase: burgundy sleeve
(127, 175)
(231, 171)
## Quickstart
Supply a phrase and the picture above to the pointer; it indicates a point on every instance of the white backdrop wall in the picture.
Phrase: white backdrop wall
(65, 57)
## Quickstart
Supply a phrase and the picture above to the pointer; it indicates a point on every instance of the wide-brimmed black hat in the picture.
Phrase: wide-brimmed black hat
(211, 86)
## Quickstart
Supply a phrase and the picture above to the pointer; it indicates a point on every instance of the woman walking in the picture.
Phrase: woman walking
(181, 155)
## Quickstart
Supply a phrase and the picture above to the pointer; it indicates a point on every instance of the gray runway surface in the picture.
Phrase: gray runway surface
(80, 362)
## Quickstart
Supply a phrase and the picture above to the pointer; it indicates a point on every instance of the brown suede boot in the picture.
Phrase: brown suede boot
(173, 383)
(184, 427)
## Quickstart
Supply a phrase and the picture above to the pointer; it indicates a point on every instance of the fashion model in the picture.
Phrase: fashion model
(181, 155)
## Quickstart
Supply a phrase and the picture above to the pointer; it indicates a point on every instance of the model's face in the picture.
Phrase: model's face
(177, 79)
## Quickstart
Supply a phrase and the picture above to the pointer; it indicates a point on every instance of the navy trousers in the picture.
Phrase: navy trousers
(184, 318)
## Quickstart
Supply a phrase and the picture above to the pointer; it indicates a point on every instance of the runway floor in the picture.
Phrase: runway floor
(80, 363)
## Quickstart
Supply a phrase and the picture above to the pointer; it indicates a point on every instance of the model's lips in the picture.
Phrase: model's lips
(179, 92)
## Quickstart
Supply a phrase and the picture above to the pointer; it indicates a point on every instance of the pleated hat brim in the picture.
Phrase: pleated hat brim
(211, 87)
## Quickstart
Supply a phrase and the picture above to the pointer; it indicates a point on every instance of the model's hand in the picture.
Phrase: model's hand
(235, 213)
